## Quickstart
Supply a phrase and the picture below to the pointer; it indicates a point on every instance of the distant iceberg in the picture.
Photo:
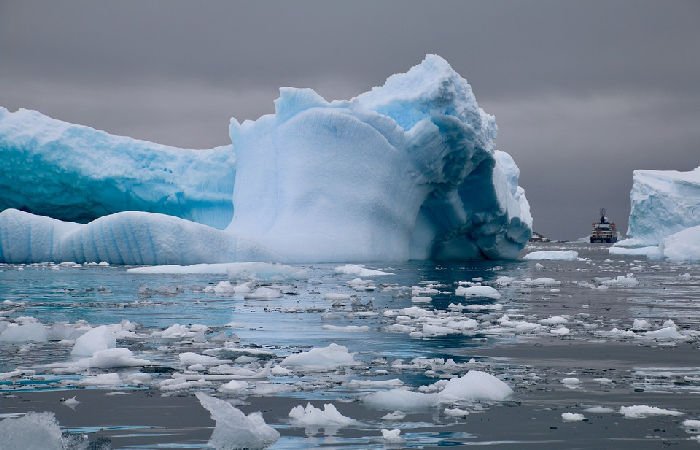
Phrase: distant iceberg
(665, 215)
(405, 171)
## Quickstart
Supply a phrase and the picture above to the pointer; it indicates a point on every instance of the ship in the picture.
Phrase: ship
(604, 231)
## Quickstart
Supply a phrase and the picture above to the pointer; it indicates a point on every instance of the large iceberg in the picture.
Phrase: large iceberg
(665, 214)
(76, 173)
(407, 170)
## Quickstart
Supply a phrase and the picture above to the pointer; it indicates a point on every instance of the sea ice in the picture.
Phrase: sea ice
(478, 291)
(235, 430)
(31, 431)
(96, 339)
(320, 359)
(643, 411)
(557, 255)
(328, 418)
(572, 417)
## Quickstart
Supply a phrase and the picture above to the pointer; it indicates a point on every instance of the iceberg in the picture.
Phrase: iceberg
(665, 215)
(408, 170)
(78, 174)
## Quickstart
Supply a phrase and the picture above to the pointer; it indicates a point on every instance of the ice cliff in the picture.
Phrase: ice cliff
(406, 170)
(665, 214)
(76, 173)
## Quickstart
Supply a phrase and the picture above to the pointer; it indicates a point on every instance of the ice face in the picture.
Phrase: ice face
(663, 202)
(407, 170)
(76, 173)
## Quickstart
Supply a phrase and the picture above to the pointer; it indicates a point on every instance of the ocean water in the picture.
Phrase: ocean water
(553, 320)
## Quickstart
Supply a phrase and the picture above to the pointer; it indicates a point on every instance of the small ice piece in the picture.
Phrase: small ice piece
(640, 325)
(572, 417)
(558, 255)
(643, 411)
(692, 424)
(26, 332)
(554, 320)
(621, 281)
(113, 357)
(670, 333)
(571, 382)
(191, 358)
(321, 359)
(478, 291)
(103, 379)
(227, 288)
(71, 402)
(599, 410)
(264, 293)
(234, 387)
(312, 418)
(31, 431)
(391, 435)
(360, 271)
(603, 380)
(234, 429)
(456, 412)
(396, 415)
(347, 329)
(560, 331)
(96, 339)
(685, 276)
(420, 299)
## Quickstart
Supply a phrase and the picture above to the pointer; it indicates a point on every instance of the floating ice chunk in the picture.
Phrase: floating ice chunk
(234, 387)
(347, 329)
(31, 431)
(179, 383)
(571, 382)
(543, 281)
(692, 424)
(640, 325)
(96, 339)
(554, 320)
(478, 291)
(558, 255)
(392, 435)
(190, 358)
(226, 288)
(264, 293)
(112, 357)
(103, 379)
(71, 402)
(599, 410)
(234, 429)
(395, 382)
(572, 417)
(456, 412)
(321, 359)
(643, 411)
(360, 271)
(559, 331)
(670, 332)
(622, 281)
(26, 332)
(396, 415)
(328, 418)
(473, 386)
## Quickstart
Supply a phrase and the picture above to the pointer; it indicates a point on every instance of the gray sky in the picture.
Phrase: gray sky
(583, 91)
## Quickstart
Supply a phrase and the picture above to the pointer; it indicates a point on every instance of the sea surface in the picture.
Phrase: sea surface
(561, 334)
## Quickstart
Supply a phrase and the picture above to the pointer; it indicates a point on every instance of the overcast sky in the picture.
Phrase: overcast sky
(583, 91)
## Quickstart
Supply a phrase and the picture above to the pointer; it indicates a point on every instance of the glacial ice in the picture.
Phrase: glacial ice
(32, 431)
(407, 170)
(665, 216)
(663, 202)
(76, 173)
